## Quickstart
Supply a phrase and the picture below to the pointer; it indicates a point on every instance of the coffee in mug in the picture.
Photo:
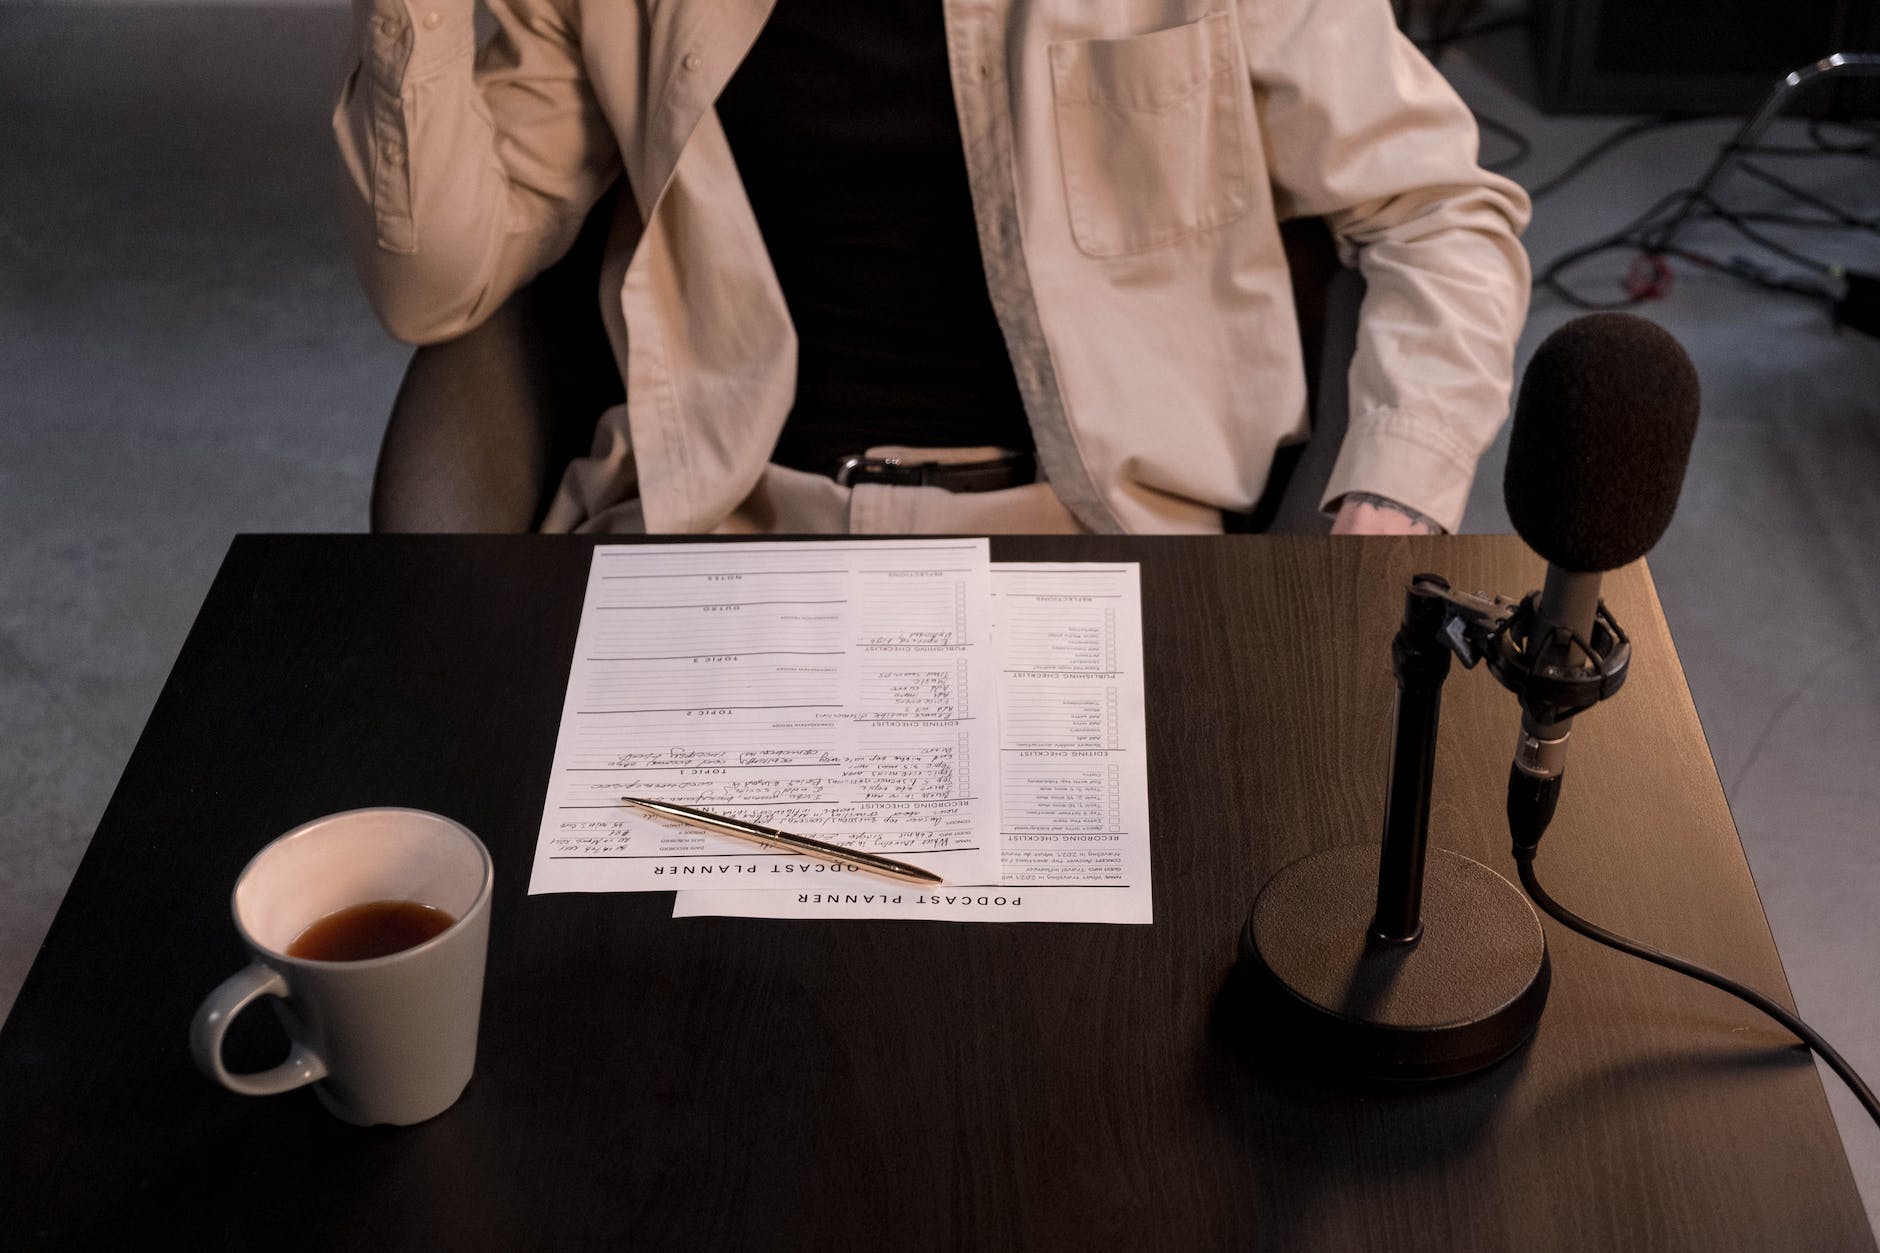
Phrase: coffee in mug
(374, 929)
(368, 929)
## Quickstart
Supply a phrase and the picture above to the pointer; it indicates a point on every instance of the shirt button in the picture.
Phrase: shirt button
(388, 27)
(433, 20)
(689, 61)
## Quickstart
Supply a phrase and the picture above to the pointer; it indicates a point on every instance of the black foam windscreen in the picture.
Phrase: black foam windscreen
(1602, 432)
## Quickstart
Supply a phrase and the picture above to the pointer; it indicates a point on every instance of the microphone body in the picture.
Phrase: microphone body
(1596, 457)
(1568, 603)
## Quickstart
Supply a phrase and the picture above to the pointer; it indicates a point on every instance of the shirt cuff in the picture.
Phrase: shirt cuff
(1393, 454)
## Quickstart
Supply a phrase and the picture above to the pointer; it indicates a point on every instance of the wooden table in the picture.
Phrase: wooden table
(645, 1082)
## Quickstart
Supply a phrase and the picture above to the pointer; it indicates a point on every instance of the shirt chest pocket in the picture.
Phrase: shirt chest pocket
(1151, 134)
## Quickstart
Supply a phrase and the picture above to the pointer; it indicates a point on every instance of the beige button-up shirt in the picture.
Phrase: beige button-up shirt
(1129, 163)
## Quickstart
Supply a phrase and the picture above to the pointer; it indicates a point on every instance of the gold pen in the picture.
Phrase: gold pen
(795, 843)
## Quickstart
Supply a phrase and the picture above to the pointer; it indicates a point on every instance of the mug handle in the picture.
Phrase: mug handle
(236, 993)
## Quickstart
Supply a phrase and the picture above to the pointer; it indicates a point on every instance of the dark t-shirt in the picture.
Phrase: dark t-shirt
(842, 123)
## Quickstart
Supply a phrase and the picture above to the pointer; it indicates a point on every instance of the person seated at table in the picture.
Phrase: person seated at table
(924, 265)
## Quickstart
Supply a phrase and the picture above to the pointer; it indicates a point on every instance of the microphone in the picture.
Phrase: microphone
(1602, 434)
(1404, 961)
(1596, 457)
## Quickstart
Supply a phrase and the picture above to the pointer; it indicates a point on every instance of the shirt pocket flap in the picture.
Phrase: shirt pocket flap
(1142, 73)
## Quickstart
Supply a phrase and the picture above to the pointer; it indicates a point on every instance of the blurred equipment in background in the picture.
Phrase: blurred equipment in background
(1435, 24)
(1694, 56)
(1654, 236)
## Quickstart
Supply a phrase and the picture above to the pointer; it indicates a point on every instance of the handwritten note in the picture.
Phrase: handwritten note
(841, 690)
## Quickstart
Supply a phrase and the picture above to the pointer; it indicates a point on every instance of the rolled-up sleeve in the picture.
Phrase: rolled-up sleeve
(466, 172)
(1361, 130)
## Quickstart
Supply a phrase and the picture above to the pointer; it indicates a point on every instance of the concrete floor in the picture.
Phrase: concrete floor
(184, 356)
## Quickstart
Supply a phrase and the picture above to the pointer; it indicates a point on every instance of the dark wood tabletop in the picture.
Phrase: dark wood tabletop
(645, 1082)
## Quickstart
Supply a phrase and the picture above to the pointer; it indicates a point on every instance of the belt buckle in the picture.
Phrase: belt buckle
(845, 472)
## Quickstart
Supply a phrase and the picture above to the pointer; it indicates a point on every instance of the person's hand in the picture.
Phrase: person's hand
(1357, 517)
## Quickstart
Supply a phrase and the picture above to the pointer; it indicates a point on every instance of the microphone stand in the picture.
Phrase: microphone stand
(1349, 968)
(1421, 664)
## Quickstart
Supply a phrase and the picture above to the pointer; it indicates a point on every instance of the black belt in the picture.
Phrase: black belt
(1015, 470)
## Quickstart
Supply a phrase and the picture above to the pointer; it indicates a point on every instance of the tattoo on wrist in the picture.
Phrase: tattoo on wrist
(1385, 502)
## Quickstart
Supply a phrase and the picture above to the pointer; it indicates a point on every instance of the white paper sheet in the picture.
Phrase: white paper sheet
(841, 690)
(1073, 778)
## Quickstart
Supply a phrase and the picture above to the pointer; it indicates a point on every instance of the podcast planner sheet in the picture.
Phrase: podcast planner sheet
(1073, 771)
(845, 691)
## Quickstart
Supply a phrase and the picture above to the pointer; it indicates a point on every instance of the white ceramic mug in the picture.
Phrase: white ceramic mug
(388, 1039)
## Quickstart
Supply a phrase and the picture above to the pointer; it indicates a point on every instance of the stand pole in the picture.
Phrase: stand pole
(1421, 664)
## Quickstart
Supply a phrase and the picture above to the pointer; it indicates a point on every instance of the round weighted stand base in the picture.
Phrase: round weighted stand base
(1467, 994)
